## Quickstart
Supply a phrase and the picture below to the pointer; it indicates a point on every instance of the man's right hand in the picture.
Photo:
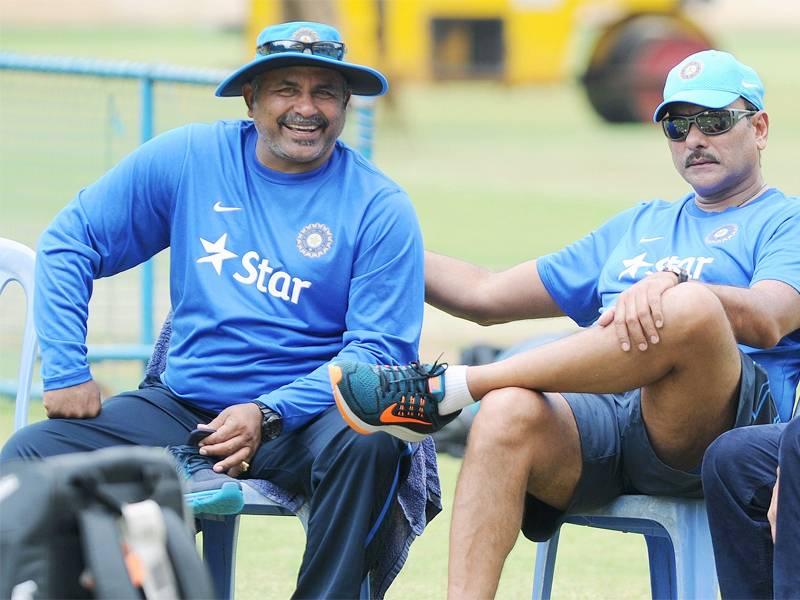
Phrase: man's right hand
(637, 315)
(80, 401)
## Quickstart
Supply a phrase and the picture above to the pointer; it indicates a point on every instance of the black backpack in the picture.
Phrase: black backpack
(105, 524)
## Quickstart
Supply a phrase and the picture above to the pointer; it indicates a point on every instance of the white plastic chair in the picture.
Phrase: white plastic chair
(17, 264)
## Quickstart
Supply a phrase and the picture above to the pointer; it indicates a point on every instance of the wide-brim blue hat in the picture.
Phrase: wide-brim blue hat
(712, 79)
(363, 81)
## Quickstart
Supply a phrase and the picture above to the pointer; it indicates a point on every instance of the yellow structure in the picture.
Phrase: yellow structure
(513, 41)
(517, 41)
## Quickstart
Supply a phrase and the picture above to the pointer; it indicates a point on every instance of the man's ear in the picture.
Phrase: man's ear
(347, 97)
(247, 94)
(761, 124)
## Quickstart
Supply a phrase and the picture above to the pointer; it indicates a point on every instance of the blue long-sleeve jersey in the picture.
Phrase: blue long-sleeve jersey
(271, 274)
(738, 246)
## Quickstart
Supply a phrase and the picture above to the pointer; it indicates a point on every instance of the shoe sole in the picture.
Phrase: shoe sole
(356, 424)
(227, 500)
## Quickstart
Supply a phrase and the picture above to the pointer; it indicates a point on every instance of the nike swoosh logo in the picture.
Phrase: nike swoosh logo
(388, 417)
(219, 208)
(747, 84)
(645, 240)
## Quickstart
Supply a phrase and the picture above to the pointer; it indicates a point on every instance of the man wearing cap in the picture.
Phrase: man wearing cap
(287, 249)
(692, 327)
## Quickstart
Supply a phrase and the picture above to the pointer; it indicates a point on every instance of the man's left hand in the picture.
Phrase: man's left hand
(236, 439)
(637, 315)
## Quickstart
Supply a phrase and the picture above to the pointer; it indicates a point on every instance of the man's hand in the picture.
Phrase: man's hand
(772, 513)
(237, 438)
(637, 315)
(80, 401)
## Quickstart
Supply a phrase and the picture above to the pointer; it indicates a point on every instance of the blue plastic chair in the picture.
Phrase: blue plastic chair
(678, 545)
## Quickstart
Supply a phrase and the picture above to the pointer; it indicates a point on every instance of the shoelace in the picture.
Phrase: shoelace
(410, 380)
(189, 459)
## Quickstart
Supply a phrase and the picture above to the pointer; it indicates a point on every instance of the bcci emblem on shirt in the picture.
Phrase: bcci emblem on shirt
(722, 234)
(314, 240)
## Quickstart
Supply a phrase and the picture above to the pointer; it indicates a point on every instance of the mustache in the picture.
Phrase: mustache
(699, 155)
(317, 120)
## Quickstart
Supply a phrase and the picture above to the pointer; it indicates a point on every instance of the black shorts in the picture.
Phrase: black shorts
(619, 459)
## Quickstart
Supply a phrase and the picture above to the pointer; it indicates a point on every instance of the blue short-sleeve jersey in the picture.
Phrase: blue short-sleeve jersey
(738, 246)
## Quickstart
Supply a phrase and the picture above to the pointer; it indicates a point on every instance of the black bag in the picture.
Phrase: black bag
(105, 524)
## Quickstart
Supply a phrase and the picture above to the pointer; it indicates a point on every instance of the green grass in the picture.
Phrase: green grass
(497, 175)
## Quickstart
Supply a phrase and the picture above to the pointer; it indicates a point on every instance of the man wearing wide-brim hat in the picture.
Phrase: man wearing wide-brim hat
(288, 249)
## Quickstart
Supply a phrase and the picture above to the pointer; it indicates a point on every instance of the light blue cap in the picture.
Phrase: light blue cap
(713, 79)
(363, 81)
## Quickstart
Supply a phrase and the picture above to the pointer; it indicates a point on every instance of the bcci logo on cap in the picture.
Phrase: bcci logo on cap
(691, 69)
(314, 240)
(305, 34)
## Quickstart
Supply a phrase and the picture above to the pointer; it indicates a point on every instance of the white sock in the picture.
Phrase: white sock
(456, 392)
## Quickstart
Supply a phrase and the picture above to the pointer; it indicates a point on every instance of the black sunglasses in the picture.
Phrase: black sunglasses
(709, 122)
(333, 50)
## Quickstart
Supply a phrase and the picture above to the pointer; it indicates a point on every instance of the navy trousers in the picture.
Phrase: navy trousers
(738, 478)
(350, 479)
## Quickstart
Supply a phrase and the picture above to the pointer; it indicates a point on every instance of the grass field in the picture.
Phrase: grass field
(497, 174)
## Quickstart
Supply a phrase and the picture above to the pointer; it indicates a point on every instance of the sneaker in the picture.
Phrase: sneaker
(208, 492)
(402, 401)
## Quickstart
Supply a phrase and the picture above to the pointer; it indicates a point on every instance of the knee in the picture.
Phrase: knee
(23, 444)
(722, 462)
(378, 450)
(695, 310)
(510, 418)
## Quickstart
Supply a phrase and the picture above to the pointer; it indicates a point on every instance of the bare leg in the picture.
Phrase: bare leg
(688, 379)
(520, 440)
(523, 440)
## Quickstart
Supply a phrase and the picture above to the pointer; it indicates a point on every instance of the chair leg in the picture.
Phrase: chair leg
(219, 552)
(663, 580)
(545, 567)
(694, 559)
(683, 569)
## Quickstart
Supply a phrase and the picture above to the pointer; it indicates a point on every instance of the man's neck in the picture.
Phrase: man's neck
(740, 198)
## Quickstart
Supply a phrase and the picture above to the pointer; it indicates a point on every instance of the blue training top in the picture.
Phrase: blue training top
(737, 246)
(271, 274)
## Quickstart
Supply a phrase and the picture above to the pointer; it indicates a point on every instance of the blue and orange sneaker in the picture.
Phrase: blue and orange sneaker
(402, 401)
(208, 492)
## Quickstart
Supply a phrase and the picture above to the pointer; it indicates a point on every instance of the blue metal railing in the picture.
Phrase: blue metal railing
(149, 75)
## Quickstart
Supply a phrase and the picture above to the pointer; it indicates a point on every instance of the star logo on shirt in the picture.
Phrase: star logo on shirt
(216, 252)
(632, 266)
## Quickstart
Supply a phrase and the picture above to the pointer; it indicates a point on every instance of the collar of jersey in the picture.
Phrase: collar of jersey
(696, 211)
(279, 176)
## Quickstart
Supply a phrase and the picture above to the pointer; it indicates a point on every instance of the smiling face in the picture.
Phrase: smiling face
(725, 169)
(299, 112)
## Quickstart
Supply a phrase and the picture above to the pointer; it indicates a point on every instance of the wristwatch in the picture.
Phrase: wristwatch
(271, 422)
(683, 274)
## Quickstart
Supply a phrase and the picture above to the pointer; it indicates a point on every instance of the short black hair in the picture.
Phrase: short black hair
(749, 105)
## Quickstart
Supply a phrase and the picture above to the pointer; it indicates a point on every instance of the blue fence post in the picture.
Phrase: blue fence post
(147, 276)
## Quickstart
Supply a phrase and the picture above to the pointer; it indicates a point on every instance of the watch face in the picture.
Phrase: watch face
(271, 424)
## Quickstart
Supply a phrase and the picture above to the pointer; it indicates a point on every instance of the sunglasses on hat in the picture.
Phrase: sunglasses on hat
(710, 122)
(334, 50)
